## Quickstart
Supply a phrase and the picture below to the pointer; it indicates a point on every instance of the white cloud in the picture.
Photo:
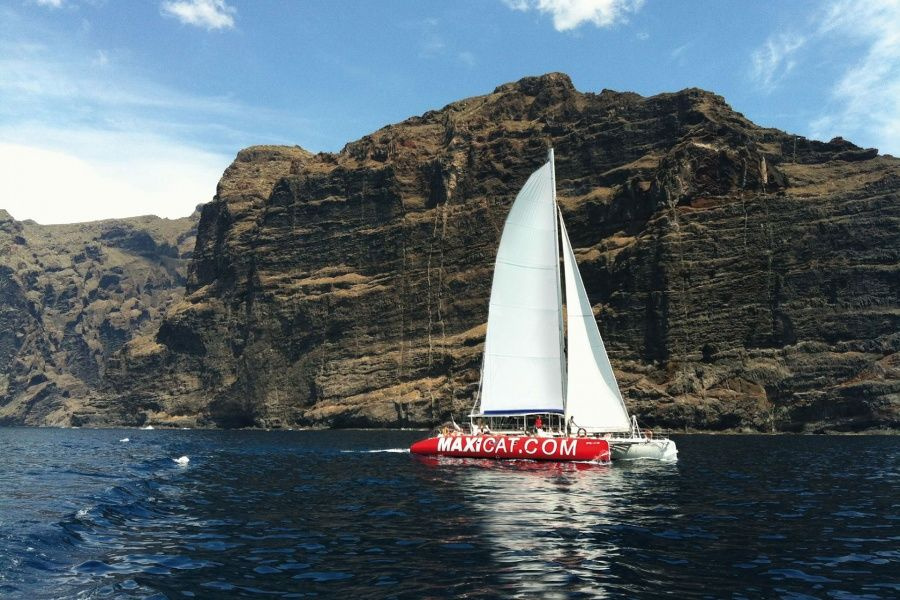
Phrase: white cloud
(100, 59)
(467, 58)
(102, 175)
(82, 137)
(210, 14)
(866, 98)
(775, 59)
(74, 87)
(570, 14)
(50, 3)
(863, 103)
(678, 54)
(433, 46)
(431, 42)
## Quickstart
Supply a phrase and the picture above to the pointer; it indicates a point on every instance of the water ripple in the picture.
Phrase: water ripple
(291, 514)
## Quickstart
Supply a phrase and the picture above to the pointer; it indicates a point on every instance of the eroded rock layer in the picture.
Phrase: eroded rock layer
(73, 295)
(744, 278)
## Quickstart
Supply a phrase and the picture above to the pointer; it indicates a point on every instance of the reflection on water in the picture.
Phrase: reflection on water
(350, 514)
(547, 526)
(538, 520)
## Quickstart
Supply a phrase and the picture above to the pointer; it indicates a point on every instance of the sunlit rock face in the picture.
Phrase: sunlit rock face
(743, 278)
(70, 297)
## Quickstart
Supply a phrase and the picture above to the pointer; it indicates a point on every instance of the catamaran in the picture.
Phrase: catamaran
(547, 389)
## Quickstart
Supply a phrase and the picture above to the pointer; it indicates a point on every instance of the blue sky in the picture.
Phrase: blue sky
(115, 108)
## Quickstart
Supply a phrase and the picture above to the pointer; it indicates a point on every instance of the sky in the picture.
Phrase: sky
(113, 108)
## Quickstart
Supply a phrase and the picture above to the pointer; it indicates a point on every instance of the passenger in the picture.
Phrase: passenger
(539, 427)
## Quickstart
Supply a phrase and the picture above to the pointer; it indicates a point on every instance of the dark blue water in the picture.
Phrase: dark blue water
(329, 514)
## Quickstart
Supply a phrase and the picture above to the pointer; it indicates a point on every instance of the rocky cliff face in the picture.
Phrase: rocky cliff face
(73, 295)
(743, 277)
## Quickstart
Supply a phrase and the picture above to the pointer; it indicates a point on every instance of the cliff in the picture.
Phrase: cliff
(744, 278)
(71, 296)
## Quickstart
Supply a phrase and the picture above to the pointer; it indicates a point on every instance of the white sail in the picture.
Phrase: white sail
(593, 399)
(522, 370)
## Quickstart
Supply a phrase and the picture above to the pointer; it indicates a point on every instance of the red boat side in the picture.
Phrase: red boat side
(512, 447)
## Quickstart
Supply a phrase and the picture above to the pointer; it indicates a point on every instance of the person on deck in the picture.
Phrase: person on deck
(538, 426)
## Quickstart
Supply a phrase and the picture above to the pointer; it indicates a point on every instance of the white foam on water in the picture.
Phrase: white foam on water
(124, 440)
(182, 461)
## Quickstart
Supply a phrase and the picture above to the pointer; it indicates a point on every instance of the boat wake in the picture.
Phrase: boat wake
(652, 459)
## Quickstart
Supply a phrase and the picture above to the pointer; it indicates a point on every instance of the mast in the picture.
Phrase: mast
(562, 340)
(566, 409)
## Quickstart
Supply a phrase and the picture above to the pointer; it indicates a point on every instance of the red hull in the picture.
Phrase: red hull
(511, 447)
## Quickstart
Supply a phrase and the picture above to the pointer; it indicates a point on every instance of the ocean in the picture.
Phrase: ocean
(351, 514)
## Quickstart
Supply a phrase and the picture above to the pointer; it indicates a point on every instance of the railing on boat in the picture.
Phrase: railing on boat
(520, 428)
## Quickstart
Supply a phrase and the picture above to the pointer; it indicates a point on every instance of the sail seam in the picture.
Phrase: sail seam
(523, 265)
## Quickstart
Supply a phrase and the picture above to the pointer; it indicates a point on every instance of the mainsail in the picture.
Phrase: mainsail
(593, 399)
(523, 368)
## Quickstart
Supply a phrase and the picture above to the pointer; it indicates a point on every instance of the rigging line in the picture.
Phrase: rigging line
(522, 266)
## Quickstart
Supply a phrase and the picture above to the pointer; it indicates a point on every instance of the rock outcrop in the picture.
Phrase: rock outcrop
(70, 297)
(744, 278)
